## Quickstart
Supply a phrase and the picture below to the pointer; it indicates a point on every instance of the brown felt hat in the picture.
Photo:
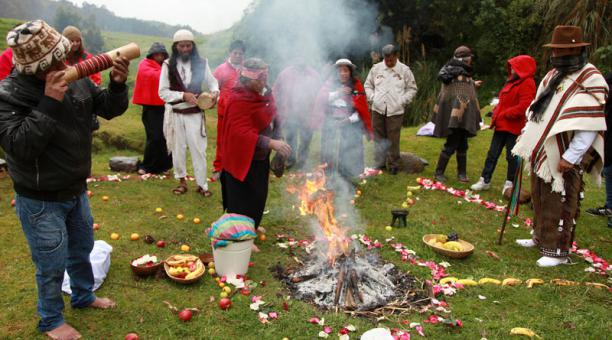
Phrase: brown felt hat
(567, 37)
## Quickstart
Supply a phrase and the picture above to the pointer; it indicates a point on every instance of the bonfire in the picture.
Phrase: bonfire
(335, 272)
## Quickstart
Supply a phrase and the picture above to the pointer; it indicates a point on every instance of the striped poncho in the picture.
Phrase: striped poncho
(231, 228)
(577, 105)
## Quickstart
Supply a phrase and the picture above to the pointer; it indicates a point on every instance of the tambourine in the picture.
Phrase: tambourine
(206, 101)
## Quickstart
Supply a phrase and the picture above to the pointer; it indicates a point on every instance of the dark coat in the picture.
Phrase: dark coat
(457, 106)
(47, 142)
(608, 137)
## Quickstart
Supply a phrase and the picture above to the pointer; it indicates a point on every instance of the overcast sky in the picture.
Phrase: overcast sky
(206, 16)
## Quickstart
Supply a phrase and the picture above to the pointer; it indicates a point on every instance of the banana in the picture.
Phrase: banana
(467, 282)
(511, 282)
(596, 285)
(197, 272)
(486, 280)
(447, 280)
(524, 331)
(453, 245)
(413, 188)
(561, 282)
(533, 282)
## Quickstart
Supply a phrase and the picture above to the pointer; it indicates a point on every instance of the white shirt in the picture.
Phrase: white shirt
(184, 70)
(579, 145)
(389, 90)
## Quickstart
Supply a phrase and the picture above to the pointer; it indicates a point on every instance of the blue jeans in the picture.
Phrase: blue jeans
(500, 140)
(60, 236)
(607, 171)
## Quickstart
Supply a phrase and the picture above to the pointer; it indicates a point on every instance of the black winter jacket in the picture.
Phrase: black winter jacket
(47, 142)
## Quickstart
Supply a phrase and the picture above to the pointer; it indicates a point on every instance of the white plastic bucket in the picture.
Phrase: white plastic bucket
(234, 259)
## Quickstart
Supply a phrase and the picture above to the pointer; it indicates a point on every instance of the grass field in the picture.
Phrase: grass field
(553, 312)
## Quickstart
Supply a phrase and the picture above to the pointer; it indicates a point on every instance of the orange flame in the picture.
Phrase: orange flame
(316, 200)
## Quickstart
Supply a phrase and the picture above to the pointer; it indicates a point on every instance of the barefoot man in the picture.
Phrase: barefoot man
(45, 130)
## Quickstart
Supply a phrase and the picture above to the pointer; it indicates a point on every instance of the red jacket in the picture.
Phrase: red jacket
(360, 104)
(96, 78)
(516, 96)
(6, 63)
(146, 88)
(247, 115)
(227, 76)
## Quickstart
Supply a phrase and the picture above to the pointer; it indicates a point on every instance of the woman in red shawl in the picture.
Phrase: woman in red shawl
(250, 132)
(343, 108)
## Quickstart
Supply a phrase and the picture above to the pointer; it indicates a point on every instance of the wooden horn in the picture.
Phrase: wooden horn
(100, 62)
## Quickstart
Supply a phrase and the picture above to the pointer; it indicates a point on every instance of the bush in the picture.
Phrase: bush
(425, 74)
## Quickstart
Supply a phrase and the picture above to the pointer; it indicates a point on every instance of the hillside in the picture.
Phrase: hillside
(104, 19)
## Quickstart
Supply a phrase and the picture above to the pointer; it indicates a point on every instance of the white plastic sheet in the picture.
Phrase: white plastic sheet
(100, 263)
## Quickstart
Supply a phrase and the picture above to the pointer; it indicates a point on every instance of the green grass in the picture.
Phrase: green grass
(549, 310)
(553, 312)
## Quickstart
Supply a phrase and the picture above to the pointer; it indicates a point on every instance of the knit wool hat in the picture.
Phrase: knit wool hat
(182, 35)
(463, 52)
(157, 47)
(72, 33)
(36, 46)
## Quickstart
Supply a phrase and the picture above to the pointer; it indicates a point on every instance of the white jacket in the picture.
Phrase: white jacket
(389, 90)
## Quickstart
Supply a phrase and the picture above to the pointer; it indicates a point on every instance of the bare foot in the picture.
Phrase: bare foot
(64, 332)
(255, 248)
(103, 303)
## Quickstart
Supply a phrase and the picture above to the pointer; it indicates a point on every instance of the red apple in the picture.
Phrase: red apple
(185, 315)
(161, 244)
(89, 194)
(13, 202)
(131, 336)
(245, 291)
(225, 303)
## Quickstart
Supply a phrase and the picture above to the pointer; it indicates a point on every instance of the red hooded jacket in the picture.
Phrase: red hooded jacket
(360, 104)
(227, 76)
(146, 88)
(247, 115)
(516, 96)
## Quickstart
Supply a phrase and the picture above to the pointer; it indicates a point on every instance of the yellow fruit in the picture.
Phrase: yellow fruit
(561, 282)
(432, 241)
(596, 285)
(439, 244)
(105, 198)
(413, 188)
(441, 238)
(196, 220)
(533, 282)
(158, 210)
(211, 265)
(180, 216)
(388, 228)
(467, 282)
(185, 247)
(447, 280)
(223, 294)
(227, 289)
(134, 237)
(221, 284)
(453, 245)
(211, 271)
(511, 282)
(262, 237)
(404, 205)
(409, 194)
(114, 236)
(486, 280)
(524, 331)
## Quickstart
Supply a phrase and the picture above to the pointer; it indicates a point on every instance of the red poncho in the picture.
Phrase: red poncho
(227, 76)
(247, 115)
(360, 104)
(146, 88)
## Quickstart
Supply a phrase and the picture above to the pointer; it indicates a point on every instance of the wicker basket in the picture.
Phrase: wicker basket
(468, 248)
(178, 279)
(145, 271)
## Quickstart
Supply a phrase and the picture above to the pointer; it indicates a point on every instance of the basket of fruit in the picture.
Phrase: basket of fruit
(449, 245)
(145, 265)
(184, 268)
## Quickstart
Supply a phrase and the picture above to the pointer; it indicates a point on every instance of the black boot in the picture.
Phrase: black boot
(462, 167)
(441, 167)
